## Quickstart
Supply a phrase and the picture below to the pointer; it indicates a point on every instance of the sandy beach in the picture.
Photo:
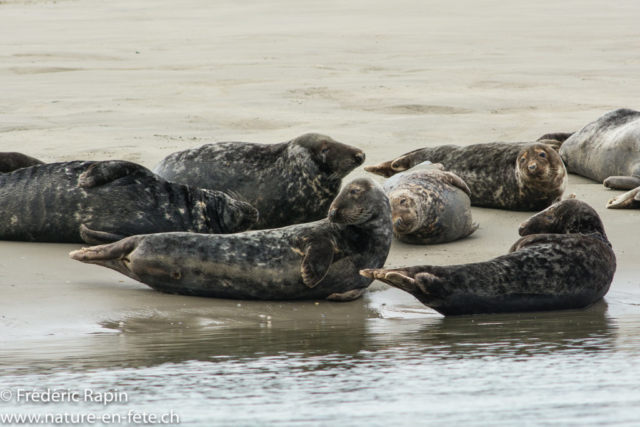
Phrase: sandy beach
(135, 80)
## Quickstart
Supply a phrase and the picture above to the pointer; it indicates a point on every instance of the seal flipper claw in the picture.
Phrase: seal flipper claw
(316, 262)
(347, 296)
(101, 173)
(94, 237)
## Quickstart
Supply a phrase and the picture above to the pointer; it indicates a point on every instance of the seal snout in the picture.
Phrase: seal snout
(333, 212)
(360, 157)
(533, 166)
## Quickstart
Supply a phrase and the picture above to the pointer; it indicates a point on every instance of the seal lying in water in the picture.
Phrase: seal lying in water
(101, 202)
(12, 161)
(564, 262)
(288, 183)
(306, 261)
(429, 206)
(517, 176)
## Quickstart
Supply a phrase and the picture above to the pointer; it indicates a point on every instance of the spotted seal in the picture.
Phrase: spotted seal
(563, 261)
(11, 161)
(521, 176)
(101, 202)
(289, 183)
(429, 206)
(306, 261)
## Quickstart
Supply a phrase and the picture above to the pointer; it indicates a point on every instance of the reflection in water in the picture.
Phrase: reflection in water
(314, 370)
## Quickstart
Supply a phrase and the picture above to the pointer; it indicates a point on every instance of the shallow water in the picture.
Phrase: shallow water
(564, 368)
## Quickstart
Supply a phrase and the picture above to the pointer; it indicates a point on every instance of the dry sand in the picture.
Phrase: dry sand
(137, 80)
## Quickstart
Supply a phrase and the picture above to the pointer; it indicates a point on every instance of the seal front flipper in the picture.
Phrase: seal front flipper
(101, 173)
(628, 200)
(622, 182)
(456, 181)
(351, 295)
(317, 260)
(94, 237)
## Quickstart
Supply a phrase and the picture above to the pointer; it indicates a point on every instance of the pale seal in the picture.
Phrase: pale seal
(11, 161)
(429, 206)
(306, 261)
(101, 202)
(504, 175)
(288, 183)
(564, 262)
(608, 151)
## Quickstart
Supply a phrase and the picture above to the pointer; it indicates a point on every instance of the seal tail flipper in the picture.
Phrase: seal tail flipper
(347, 296)
(316, 262)
(383, 169)
(627, 200)
(101, 173)
(113, 256)
(94, 237)
(472, 229)
(391, 277)
(622, 182)
(560, 137)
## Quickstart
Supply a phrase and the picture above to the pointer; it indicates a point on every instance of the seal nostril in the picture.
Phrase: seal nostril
(532, 167)
(360, 157)
(332, 214)
(398, 222)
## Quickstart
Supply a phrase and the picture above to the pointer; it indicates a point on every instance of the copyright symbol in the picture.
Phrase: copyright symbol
(6, 395)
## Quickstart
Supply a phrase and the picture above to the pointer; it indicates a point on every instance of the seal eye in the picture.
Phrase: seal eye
(325, 150)
(402, 202)
(354, 191)
(549, 218)
(543, 154)
(522, 160)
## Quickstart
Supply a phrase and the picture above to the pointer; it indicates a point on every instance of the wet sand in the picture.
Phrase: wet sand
(136, 81)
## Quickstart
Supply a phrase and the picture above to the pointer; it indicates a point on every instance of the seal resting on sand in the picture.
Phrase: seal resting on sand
(516, 176)
(320, 259)
(288, 183)
(12, 161)
(101, 202)
(564, 261)
(429, 206)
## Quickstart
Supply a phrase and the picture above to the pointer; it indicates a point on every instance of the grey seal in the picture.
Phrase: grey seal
(288, 183)
(99, 202)
(521, 176)
(306, 261)
(563, 261)
(429, 206)
(607, 150)
(11, 161)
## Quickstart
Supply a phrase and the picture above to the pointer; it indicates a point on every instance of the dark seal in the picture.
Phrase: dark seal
(288, 183)
(101, 202)
(12, 161)
(306, 261)
(564, 262)
(429, 207)
(516, 176)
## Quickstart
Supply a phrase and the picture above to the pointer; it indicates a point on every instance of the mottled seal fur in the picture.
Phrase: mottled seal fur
(429, 206)
(101, 202)
(289, 183)
(608, 151)
(564, 261)
(12, 161)
(517, 176)
(306, 261)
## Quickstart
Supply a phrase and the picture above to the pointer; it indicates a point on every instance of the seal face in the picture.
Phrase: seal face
(320, 259)
(514, 176)
(429, 207)
(12, 161)
(288, 183)
(100, 202)
(564, 261)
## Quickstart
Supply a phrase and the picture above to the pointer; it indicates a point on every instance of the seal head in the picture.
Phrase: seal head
(359, 202)
(333, 158)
